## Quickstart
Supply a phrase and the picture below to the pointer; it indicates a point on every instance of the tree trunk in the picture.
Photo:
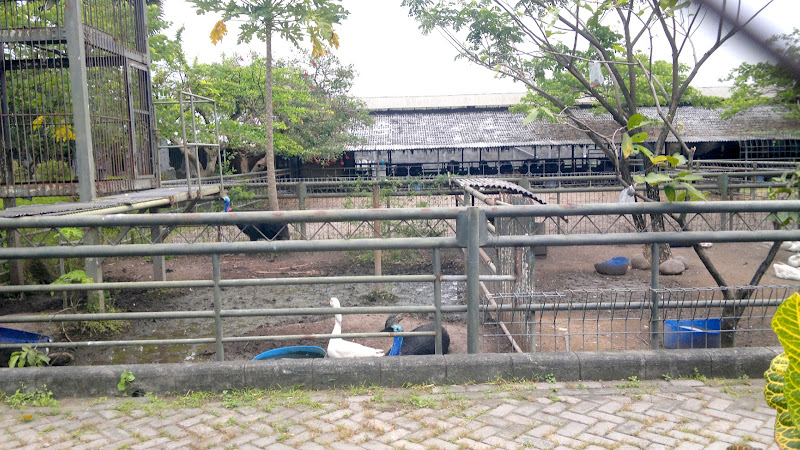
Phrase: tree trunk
(272, 188)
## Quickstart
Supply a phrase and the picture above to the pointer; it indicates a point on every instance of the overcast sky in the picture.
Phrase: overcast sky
(393, 58)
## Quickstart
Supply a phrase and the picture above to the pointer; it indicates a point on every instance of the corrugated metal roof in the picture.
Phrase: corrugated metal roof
(497, 127)
(495, 183)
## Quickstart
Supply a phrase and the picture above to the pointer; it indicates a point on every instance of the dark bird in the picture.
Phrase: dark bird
(415, 345)
(267, 231)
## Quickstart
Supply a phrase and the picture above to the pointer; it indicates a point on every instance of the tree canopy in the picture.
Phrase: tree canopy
(566, 51)
(767, 83)
(292, 20)
(313, 113)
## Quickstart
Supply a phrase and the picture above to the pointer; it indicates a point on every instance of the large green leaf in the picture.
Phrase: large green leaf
(635, 121)
(627, 145)
(786, 434)
(656, 178)
(786, 324)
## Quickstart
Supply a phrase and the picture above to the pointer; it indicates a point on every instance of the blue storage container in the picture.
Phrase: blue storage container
(698, 333)
(12, 336)
(293, 352)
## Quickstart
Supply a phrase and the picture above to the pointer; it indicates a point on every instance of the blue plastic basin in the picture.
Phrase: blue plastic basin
(292, 352)
(12, 336)
(698, 333)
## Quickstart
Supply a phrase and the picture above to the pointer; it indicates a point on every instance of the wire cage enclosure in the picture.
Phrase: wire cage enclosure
(75, 89)
(630, 319)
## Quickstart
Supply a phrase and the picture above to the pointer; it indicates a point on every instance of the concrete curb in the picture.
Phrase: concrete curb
(97, 381)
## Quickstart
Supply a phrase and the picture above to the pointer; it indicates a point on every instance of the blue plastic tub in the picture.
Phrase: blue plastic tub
(12, 336)
(699, 333)
(293, 352)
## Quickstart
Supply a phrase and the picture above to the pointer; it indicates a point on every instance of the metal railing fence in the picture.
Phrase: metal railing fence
(471, 234)
(629, 319)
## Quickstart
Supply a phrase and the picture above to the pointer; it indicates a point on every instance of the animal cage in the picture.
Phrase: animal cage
(77, 111)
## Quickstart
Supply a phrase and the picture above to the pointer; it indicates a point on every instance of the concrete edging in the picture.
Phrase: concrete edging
(97, 381)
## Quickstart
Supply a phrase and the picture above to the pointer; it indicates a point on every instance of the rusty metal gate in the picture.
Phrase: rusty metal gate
(77, 113)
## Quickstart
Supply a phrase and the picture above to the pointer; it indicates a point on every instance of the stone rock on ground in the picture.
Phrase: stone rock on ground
(640, 263)
(671, 267)
(614, 266)
(683, 260)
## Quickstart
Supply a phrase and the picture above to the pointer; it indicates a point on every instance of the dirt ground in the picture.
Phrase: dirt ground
(563, 268)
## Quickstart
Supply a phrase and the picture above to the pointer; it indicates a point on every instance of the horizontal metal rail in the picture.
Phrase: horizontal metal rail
(543, 307)
(293, 281)
(468, 221)
(117, 220)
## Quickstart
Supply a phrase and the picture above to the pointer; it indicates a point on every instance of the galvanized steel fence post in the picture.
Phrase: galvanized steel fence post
(437, 298)
(81, 120)
(302, 195)
(471, 233)
(726, 219)
(654, 313)
(217, 308)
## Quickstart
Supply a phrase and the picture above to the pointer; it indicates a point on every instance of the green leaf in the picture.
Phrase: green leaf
(635, 121)
(638, 138)
(645, 151)
(680, 158)
(695, 194)
(689, 176)
(627, 145)
(618, 48)
(656, 178)
(658, 159)
(638, 179)
(533, 115)
(12, 362)
(786, 323)
(669, 191)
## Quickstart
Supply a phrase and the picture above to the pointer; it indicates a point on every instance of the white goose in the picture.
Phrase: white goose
(339, 348)
(794, 260)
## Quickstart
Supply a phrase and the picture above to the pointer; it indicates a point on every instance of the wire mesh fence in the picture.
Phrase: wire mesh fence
(630, 319)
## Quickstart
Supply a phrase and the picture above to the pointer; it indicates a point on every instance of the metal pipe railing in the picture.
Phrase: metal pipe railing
(471, 224)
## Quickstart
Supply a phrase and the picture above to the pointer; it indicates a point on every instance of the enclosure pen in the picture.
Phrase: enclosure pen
(502, 300)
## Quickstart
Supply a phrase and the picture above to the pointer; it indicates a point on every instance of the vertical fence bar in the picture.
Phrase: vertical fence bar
(183, 144)
(722, 182)
(159, 261)
(376, 203)
(302, 195)
(471, 221)
(219, 148)
(81, 113)
(217, 308)
(654, 313)
(531, 287)
(437, 297)
(196, 148)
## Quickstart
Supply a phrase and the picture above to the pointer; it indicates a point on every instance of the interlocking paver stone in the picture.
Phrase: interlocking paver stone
(681, 414)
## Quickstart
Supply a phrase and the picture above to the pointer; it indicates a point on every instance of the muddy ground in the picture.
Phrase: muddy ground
(563, 268)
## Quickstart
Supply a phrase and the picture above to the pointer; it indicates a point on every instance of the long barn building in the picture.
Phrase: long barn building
(478, 135)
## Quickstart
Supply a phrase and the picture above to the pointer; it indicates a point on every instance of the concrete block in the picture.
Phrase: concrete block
(211, 377)
(333, 372)
(536, 366)
(422, 369)
(76, 381)
(278, 373)
(736, 362)
(610, 365)
(157, 378)
(676, 363)
(478, 368)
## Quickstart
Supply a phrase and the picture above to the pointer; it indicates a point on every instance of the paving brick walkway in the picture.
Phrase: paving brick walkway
(677, 414)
